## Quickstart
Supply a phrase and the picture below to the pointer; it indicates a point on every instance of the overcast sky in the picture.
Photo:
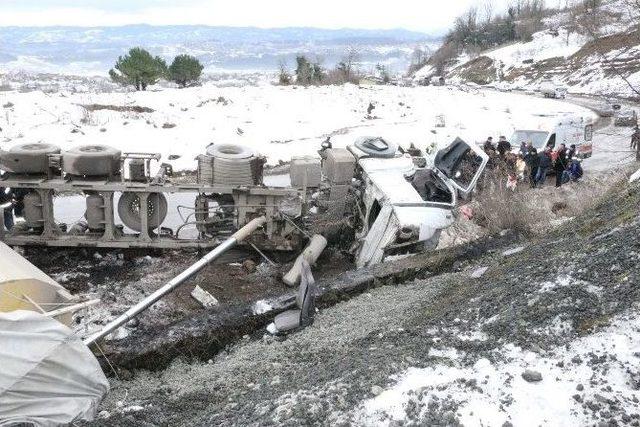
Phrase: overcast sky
(422, 15)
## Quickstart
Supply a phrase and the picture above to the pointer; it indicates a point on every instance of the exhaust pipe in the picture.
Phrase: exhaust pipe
(237, 237)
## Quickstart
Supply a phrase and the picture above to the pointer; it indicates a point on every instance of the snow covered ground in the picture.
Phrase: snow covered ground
(495, 393)
(543, 46)
(279, 122)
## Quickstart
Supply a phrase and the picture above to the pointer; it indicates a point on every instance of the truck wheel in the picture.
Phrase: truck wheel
(376, 147)
(230, 151)
(91, 160)
(129, 210)
(28, 158)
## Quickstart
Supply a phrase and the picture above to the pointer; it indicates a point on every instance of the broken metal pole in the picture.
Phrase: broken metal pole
(237, 237)
(311, 254)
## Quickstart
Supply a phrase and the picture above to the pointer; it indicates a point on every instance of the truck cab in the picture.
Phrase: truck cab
(404, 208)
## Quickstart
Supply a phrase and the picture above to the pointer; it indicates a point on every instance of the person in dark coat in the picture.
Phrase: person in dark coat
(532, 161)
(544, 164)
(635, 139)
(6, 203)
(560, 164)
(571, 153)
(503, 146)
(488, 146)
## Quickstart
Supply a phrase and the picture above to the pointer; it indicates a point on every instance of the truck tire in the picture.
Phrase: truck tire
(91, 160)
(129, 210)
(376, 147)
(28, 158)
(230, 151)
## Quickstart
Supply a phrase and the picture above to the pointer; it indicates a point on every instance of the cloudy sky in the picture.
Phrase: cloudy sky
(422, 15)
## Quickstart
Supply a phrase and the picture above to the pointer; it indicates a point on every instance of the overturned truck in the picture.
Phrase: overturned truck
(370, 197)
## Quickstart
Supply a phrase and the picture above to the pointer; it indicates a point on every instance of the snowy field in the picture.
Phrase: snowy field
(279, 122)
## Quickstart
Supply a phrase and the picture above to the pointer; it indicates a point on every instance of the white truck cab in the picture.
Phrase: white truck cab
(404, 208)
(569, 130)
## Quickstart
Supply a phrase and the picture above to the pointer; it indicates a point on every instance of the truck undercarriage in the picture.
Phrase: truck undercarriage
(370, 198)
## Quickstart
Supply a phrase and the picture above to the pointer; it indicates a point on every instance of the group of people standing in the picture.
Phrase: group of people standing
(527, 164)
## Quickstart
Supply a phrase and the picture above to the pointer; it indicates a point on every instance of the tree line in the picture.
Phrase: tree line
(479, 28)
(310, 72)
(140, 69)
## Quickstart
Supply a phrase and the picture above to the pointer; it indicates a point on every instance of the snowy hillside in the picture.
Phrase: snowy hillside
(584, 59)
(280, 122)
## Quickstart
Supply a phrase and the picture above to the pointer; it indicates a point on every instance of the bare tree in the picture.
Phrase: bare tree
(591, 23)
(348, 66)
(488, 10)
(419, 58)
(284, 76)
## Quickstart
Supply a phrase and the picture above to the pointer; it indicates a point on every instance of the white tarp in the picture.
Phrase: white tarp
(24, 287)
(48, 376)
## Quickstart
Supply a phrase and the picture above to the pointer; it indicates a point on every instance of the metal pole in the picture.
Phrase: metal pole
(238, 236)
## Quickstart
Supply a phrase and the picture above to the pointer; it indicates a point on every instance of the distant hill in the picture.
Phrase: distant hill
(93, 50)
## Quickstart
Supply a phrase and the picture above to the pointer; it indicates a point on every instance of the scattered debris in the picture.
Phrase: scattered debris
(304, 312)
(203, 297)
(513, 251)
(532, 376)
(261, 307)
(249, 265)
(478, 272)
(168, 125)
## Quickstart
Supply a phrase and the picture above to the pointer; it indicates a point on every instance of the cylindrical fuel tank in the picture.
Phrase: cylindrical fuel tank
(33, 212)
(95, 212)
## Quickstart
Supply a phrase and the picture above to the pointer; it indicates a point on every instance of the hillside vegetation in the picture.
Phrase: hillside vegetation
(592, 46)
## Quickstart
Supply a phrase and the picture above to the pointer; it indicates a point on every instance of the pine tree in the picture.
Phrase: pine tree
(304, 71)
(185, 70)
(139, 69)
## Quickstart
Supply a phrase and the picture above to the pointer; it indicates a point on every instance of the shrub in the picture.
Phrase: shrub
(284, 76)
(500, 208)
(185, 70)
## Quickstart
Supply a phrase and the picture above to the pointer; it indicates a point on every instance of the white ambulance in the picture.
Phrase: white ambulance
(568, 130)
